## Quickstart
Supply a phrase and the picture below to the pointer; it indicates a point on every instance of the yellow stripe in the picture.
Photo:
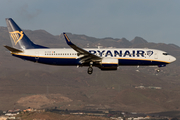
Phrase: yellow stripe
(76, 57)
(109, 63)
(67, 38)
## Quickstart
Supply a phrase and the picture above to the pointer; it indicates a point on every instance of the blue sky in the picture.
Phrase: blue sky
(154, 20)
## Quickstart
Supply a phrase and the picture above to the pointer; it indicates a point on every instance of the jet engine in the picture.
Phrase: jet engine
(109, 64)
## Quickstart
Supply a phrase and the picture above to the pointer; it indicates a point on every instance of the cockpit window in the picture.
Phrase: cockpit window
(165, 54)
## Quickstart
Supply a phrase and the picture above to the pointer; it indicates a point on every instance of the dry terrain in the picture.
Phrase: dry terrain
(54, 116)
(25, 84)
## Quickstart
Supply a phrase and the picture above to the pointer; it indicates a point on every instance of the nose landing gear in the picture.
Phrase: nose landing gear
(158, 70)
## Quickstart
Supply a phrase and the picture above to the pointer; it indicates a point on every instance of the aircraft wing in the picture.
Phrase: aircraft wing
(84, 55)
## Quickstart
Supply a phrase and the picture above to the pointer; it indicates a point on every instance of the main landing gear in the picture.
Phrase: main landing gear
(90, 69)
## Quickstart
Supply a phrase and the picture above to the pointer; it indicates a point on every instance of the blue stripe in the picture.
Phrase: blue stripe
(139, 62)
(72, 61)
(109, 65)
(51, 61)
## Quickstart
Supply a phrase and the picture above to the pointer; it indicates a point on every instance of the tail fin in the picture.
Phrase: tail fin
(18, 38)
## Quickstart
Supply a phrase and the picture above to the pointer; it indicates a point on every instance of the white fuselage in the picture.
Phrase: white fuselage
(125, 56)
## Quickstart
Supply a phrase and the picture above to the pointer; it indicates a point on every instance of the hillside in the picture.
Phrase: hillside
(31, 82)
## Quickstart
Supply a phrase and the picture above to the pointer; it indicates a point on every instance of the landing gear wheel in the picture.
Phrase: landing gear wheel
(158, 70)
(90, 70)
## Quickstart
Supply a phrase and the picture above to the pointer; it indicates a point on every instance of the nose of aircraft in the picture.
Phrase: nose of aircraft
(172, 58)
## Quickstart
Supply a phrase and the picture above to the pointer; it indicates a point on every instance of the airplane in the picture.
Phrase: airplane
(103, 58)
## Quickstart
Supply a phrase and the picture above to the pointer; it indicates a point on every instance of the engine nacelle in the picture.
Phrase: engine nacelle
(109, 64)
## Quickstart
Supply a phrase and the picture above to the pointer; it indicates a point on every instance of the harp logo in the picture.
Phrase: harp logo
(16, 36)
(149, 53)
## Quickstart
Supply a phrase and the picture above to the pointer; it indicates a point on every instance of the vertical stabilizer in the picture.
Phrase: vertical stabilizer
(18, 38)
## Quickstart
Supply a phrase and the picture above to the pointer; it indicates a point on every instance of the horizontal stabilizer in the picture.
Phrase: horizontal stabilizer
(14, 50)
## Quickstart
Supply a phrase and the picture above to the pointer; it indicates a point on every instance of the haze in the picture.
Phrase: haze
(154, 20)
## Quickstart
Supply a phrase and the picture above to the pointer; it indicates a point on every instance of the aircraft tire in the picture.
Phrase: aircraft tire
(158, 70)
(90, 70)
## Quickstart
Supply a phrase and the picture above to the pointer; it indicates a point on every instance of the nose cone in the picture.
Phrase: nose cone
(172, 58)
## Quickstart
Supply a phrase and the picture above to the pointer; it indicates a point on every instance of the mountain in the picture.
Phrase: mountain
(126, 89)
(138, 40)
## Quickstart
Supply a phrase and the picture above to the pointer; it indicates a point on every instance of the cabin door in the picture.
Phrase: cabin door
(37, 56)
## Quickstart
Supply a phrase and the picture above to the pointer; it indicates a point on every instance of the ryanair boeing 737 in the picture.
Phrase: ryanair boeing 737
(103, 58)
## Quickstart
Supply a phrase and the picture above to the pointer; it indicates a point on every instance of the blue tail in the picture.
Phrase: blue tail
(18, 38)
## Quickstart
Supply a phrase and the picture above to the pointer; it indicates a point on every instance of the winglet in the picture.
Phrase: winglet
(86, 54)
(67, 39)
